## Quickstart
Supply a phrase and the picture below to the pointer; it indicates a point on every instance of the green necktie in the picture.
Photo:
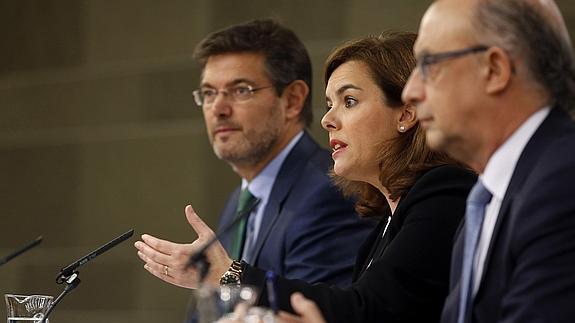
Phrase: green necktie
(244, 203)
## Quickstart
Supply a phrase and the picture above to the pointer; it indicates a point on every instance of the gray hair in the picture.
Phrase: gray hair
(519, 28)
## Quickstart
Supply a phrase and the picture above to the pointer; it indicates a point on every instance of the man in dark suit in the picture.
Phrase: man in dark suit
(255, 96)
(493, 87)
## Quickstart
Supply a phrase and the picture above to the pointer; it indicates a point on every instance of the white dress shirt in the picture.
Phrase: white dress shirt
(496, 178)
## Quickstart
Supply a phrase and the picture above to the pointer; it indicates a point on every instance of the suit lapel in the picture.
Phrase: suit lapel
(289, 172)
(270, 216)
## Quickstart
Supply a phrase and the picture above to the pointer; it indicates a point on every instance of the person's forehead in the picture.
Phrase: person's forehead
(446, 25)
(349, 73)
(228, 68)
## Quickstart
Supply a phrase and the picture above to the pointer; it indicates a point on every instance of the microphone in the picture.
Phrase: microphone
(67, 271)
(21, 250)
(70, 275)
(199, 260)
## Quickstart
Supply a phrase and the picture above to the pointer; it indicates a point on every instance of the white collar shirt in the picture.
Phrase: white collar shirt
(496, 178)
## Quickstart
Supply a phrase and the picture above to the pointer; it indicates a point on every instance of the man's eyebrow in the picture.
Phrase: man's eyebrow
(231, 83)
(240, 80)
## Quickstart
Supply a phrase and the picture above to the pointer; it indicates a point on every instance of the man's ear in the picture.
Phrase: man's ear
(407, 118)
(295, 95)
(498, 70)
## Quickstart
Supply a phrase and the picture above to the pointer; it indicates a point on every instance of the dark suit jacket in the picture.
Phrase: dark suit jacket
(309, 231)
(408, 281)
(529, 274)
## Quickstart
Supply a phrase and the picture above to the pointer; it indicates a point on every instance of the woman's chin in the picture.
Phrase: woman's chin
(353, 173)
(343, 171)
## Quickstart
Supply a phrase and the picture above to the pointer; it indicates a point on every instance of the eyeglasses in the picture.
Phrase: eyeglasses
(206, 97)
(426, 60)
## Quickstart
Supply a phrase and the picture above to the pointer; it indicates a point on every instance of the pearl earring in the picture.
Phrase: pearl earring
(401, 128)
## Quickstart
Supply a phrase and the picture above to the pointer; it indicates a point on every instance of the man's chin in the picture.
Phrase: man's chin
(434, 140)
(224, 154)
(221, 138)
(231, 154)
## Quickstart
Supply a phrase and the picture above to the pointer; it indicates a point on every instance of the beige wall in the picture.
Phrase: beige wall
(99, 133)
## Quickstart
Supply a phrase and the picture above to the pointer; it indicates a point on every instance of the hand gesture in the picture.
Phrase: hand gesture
(169, 260)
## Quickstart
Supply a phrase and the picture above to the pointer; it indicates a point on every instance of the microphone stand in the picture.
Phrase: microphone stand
(199, 259)
(70, 274)
(71, 283)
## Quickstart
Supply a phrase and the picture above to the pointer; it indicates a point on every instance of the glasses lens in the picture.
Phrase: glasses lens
(241, 93)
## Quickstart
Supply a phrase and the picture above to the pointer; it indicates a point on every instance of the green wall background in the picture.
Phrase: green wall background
(99, 133)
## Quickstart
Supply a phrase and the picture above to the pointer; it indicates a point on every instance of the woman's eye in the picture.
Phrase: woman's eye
(350, 101)
(328, 106)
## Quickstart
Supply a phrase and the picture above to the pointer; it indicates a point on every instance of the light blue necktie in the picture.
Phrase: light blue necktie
(474, 214)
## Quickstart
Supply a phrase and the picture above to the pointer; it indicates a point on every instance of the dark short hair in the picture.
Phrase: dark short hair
(286, 58)
(519, 28)
(389, 58)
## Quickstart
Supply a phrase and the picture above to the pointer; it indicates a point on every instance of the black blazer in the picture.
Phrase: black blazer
(408, 281)
(529, 274)
(305, 218)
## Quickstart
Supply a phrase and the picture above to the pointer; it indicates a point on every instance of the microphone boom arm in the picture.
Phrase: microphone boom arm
(70, 275)
(69, 270)
(21, 250)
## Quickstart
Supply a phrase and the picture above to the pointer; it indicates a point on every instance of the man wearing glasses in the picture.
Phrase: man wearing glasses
(255, 97)
(493, 87)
